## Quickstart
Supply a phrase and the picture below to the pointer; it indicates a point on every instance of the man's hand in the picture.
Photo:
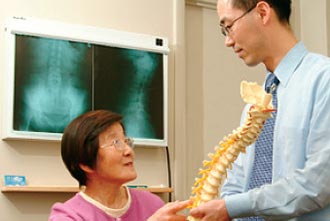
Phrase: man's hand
(210, 211)
(169, 212)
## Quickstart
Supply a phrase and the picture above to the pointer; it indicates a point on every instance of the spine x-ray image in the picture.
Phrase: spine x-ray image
(52, 83)
(130, 82)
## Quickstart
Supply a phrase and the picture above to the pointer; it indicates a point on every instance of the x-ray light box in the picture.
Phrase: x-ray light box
(56, 71)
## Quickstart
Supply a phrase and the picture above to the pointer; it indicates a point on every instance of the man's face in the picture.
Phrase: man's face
(241, 30)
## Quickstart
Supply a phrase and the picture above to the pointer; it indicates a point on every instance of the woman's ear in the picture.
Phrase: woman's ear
(86, 168)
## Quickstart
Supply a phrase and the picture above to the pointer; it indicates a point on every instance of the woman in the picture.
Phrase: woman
(99, 156)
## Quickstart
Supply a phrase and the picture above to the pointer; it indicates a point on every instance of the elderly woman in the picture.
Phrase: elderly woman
(100, 157)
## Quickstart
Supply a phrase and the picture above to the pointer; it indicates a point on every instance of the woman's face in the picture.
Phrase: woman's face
(115, 159)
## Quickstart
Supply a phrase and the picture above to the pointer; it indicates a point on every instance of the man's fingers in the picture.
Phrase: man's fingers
(196, 213)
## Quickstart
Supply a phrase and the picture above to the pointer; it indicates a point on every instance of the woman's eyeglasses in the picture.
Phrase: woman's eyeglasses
(120, 144)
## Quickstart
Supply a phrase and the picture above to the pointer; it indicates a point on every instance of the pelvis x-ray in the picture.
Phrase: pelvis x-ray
(57, 80)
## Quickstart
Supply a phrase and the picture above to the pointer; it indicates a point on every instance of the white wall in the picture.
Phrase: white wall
(314, 28)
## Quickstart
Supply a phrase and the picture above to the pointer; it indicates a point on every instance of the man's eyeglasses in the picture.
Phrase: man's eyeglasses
(226, 29)
(120, 144)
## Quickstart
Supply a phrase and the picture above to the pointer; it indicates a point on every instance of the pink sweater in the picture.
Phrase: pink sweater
(143, 205)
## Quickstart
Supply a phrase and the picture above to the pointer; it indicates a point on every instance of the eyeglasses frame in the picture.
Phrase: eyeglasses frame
(226, 29)
(119, 144)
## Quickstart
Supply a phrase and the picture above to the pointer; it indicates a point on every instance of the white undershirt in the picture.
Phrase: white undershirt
(116, 213)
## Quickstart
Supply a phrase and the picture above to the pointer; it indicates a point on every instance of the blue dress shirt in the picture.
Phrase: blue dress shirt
(300, 188)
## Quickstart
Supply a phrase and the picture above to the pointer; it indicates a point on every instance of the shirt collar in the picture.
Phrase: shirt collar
(289, 63)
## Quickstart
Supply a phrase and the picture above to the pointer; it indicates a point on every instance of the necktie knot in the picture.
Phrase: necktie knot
(270, 87)
(271, 83)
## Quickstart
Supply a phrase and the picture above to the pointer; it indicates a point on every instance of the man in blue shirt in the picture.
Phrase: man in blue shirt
(259, 32)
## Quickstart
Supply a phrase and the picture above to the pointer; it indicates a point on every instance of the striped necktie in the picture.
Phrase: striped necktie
(263, 161)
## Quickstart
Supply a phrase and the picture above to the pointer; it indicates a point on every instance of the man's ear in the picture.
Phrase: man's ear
(264, 11)
(86, 168)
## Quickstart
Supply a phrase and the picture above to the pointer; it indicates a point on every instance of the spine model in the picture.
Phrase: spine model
(206, 187)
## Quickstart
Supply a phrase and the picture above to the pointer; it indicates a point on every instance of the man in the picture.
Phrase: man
(259, 32)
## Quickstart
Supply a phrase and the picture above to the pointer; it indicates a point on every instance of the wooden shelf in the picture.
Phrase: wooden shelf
(67, 189)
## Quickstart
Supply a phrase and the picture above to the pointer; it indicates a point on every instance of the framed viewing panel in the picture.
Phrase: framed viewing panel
(56, 71)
